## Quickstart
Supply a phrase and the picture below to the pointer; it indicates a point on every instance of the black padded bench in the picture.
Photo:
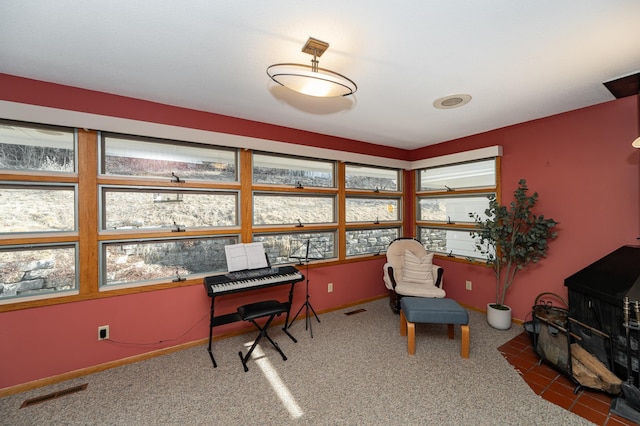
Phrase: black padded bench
(253, 311)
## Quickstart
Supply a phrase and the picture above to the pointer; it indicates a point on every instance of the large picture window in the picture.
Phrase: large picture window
(137, 211)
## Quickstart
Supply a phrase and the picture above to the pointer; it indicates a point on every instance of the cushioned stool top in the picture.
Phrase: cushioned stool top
(261, 309)
(435, 311)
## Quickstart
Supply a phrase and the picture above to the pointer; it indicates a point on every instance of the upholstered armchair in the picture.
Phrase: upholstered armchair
(410, 271)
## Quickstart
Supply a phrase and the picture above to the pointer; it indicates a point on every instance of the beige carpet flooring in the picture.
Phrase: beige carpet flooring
(354, 371)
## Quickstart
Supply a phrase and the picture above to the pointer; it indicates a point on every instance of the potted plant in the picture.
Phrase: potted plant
(511, 237)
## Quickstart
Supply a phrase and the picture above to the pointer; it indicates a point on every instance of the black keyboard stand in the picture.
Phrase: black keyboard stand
(307, 306)
(215, 321)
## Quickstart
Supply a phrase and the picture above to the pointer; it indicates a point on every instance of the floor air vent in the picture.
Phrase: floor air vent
(54, 395)
(357, 311)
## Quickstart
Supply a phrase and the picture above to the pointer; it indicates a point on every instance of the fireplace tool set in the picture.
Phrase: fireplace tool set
(549, 332)
(628, 406)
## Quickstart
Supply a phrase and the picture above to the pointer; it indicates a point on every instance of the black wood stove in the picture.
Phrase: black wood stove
(596, 298)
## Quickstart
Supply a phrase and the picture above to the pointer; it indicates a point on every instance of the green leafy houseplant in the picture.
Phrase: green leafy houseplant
(511, 237)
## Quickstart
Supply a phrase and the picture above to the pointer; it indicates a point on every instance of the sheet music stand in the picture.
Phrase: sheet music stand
(306, 251)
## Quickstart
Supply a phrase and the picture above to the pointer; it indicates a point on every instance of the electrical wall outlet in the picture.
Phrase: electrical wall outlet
(103, 332)
(468, 283)
(330, 288)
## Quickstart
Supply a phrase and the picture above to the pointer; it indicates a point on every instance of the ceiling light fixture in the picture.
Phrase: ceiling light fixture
(310, 79)
(452, 101)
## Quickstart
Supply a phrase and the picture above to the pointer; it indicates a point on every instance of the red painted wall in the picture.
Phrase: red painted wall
(43, 342)
(581, 163)
(34, 92)
(587, 174)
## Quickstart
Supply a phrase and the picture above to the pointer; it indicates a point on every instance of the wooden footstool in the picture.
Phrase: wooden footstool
(433, 311)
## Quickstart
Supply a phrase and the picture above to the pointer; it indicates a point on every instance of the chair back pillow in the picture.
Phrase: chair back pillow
(418, 270)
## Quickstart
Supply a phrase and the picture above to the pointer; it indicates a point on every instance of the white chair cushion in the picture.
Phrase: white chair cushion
(418, 270)
(419, 290)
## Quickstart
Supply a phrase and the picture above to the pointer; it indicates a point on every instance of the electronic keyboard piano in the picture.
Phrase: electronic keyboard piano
(247, 280)
(251, 279)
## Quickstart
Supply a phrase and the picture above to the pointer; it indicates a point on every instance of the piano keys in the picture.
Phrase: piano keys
(247, 280)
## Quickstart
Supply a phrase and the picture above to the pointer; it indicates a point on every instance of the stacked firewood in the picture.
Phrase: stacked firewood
(590, 372)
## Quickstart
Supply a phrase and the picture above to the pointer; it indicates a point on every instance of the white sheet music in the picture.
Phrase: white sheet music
(245, 256)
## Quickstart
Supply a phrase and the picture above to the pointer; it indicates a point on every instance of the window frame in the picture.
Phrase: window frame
(373, 193)
(48, 239)
(90, 238)
(296, 190)
(147, 184)
(469, 226)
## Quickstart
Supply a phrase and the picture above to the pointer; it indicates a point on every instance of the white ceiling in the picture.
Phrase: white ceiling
(519, 59)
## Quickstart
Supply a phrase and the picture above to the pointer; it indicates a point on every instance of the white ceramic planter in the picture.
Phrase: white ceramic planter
(499, 318)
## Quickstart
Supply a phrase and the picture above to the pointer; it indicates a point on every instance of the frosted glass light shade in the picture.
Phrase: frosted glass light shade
(636, 143)
(303, 79)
